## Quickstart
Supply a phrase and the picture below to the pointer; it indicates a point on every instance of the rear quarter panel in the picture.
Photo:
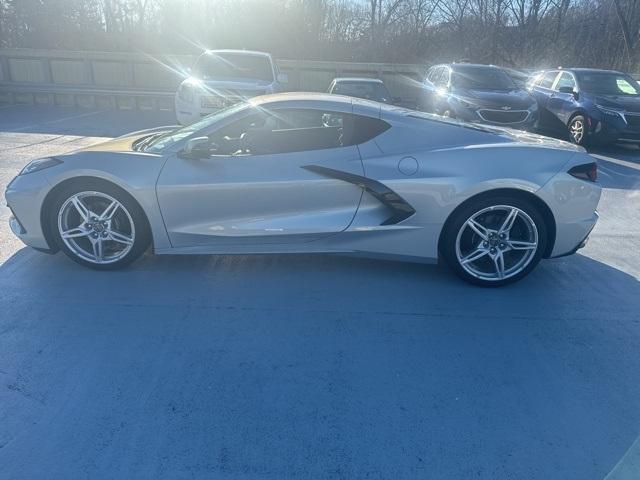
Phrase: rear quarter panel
(453, 164)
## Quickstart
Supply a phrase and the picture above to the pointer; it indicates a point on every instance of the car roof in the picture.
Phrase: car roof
(579, 69)
(474, 65)
(319, 100)
(300, 96)
(357, 79)
(244, 52)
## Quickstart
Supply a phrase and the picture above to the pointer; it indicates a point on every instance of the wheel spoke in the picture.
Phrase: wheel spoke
(475, 255)
(110, 211)
(97, 249)
(120, 237)
(479, 229)
(84, 212)
(518, 245)
(509, 221)
(75, 233)
(498, 260)
(91, 237)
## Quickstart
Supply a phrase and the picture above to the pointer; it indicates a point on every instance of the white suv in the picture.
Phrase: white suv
(221, 78)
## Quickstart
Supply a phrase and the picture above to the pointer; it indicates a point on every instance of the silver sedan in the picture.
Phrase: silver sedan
(314, 173)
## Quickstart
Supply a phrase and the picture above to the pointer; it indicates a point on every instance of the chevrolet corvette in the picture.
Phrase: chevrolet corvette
(315, 173)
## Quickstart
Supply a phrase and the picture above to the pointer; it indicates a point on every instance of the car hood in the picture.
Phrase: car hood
(126, 142)
(236, 84)
(619, 102)
(514, 99)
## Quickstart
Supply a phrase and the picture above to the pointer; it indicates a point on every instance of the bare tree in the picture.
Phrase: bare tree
(532, 33)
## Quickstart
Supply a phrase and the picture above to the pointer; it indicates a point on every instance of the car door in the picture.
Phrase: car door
(562, 104)
(253, 187)
(542, 90)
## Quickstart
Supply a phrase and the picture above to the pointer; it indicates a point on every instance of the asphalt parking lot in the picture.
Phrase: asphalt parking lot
(277, 367)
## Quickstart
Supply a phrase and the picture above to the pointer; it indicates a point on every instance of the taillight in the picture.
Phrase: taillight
(587, 171)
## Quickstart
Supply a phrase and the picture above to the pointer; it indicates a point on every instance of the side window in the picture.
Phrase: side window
(547, 79)
(366, 128)
(444, 80)
(434, 76)
(440, 77)
(534, 80)
(431, 74)
(565, 80)
(283, 131)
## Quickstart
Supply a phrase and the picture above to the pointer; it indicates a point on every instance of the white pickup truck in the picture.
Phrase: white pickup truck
(221, 78)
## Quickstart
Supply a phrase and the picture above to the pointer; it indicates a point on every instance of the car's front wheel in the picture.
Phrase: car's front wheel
(495, 240)
(99, 225)
(578, 131)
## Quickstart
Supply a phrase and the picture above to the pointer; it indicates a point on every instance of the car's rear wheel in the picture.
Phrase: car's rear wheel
(578, 130)
(99, 226)
(495, 240)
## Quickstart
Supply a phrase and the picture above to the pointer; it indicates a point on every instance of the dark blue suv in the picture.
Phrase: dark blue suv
(594, 106)
(478, 93)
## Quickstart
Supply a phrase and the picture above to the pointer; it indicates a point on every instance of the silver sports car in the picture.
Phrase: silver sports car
(307, 173)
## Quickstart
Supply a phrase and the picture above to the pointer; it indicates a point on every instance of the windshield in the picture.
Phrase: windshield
(233, 65)
(481, 78)
(368, 90)
(162, 142)
(607, 83)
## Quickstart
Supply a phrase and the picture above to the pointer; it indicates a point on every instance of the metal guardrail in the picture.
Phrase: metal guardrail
(147, 82)
(139, 81)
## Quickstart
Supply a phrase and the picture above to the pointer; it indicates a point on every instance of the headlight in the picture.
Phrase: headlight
(611, 112)
(185, 93)
(40, 164)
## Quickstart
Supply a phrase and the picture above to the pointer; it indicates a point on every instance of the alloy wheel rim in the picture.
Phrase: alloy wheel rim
(96, 227)
(577, 131)
(497, 243)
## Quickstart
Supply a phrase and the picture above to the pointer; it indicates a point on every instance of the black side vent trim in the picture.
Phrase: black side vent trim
(401, 210)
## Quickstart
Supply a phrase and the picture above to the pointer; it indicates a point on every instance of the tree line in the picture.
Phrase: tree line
(519, 33)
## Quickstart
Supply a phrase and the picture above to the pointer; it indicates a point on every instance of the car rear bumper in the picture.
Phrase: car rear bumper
(584, 241)
(573, 203)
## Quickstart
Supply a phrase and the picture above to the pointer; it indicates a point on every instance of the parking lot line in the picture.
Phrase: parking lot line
(629, 465)
(57, 120)
(617, 161)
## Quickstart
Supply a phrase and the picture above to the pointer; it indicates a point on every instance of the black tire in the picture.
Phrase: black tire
(583, 139)
(459, 218)
(141, 239)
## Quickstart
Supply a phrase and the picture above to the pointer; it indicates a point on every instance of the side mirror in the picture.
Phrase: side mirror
(198, 147)
(568, 90)
(396, 100)
(283, 78)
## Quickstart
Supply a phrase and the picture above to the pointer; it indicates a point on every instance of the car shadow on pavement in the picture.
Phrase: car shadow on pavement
(340, 284)
(348, 365)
